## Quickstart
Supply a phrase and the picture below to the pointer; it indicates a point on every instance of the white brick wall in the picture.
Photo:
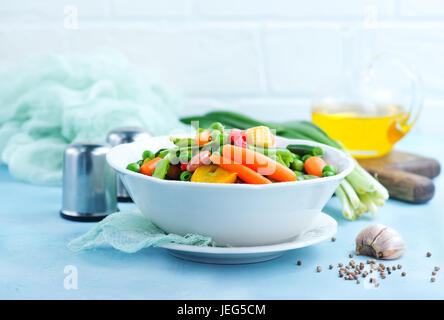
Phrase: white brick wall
(247, 54)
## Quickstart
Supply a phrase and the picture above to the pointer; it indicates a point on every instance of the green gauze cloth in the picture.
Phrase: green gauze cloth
(49, 102)
(129, 232)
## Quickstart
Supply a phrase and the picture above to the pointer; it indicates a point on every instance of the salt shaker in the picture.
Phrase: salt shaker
(89, 183)
(125, 135)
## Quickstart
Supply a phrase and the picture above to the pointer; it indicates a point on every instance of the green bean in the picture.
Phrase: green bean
(295, 156)
(185, 176)
(158, 152)
(310, 177)
(163, 153)
(215, 135)
(211, 146)
(162, 168)
(218, 126)
(217, 138)
(186, 142)
(224, 138)
(172, 156)
(277, 158)
(299, 174)
(302, 149)
(281, 155)
(133, 167)
(148, 154)
(270, 151)
(184, 156)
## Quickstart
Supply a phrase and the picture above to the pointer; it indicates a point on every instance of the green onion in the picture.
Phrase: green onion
(368, 202)
(351, 194)
(185, 176)
(347, 209)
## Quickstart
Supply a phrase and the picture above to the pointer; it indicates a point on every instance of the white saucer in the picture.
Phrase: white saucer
(325, 227)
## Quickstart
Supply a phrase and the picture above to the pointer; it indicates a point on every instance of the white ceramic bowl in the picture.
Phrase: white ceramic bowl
(232, 214)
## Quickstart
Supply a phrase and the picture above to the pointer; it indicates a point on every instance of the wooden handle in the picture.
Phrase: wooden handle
(404, 185)
(405, 161)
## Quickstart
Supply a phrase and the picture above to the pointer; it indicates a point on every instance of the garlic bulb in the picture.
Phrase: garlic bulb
(380, 241)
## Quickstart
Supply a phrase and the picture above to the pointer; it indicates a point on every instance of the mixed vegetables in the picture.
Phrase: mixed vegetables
(359, 192)
(221, 155)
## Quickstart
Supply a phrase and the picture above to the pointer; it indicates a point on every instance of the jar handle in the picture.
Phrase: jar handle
(417, 87)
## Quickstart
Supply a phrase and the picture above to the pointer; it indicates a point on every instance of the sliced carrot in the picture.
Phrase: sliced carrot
(246, 174)
(314, 166)
(258, 162)
(148, 167)
(203, 137)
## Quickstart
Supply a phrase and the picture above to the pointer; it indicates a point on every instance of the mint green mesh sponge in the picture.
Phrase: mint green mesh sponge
(49, 102)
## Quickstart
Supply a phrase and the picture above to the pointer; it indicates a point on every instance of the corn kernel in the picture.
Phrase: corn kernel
(260, 137)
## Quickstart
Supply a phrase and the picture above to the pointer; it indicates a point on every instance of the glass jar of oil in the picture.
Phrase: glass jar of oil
(368, 112)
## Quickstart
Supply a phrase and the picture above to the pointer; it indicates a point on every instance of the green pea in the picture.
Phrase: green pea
(329, 168)
(162, 168)
(133, 167)
(306, 157)
(148, 154)
(297, 165)
(328, 174)
(185, 176)
(317, 151)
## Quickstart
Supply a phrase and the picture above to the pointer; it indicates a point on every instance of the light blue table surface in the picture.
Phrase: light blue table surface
(33, 255)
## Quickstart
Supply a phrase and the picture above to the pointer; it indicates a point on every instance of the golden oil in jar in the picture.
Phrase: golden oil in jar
(366, 132)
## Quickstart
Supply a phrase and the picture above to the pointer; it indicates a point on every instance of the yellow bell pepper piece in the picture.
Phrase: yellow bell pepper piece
(213, 174)
(260, 137)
